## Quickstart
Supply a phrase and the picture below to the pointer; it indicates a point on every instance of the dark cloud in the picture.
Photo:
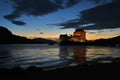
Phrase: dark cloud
(38, 29)
(39, 7)
(41, 33)
(59, 2)
(12, 16)
(104, 17)
(115, 0)
(101, 17)
(71, 24)
(72, 2)
(31, 7)
(20, 23)
(35, 7)
(98, 1)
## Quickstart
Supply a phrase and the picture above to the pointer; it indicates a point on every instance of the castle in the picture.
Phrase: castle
(78, 36)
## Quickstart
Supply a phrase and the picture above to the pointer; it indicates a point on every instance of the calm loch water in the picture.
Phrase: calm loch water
(53, 56)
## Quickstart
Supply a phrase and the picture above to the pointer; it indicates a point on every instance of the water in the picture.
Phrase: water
(54, 56)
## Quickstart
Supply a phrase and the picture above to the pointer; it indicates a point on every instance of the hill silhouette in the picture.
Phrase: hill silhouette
(6, 37)
(115, 41)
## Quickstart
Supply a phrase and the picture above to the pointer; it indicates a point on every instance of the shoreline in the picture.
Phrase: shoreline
(33, 72)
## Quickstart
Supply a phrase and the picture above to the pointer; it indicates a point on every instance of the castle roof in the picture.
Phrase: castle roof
(79, 29)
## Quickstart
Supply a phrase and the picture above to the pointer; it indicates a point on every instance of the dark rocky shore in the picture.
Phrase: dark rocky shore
(77, 72)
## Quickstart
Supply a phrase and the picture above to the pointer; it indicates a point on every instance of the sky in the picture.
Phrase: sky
(50, 18)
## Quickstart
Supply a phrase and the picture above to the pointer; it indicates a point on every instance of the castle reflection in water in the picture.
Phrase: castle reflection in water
(75, 53)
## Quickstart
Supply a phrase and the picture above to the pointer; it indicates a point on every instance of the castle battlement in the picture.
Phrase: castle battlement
(78, 36)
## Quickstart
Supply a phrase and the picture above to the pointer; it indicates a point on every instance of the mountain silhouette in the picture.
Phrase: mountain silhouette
(6, 37)
(115, 41)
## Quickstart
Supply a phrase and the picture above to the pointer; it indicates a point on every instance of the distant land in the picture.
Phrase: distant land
(115, 41)
(7, 37)
(79, 38)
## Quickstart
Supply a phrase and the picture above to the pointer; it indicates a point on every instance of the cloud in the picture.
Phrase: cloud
(101, 17)
(31, 7)
(41, 33)
(98, 1)
(101, 31)
(36, 8)
(18, 23)
(12, 16)
(38, 29)
(115, 0)
(60, 2)
(72, 2)
(75, 23)
(105, 16)
(91, 32)
(39, 7)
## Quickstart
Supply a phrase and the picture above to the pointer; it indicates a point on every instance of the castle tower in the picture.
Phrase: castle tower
(79, 35)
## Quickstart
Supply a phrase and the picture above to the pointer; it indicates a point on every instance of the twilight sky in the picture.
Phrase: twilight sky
(50, 18)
